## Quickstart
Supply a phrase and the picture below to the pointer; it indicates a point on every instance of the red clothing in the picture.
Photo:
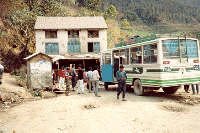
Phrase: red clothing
(61, 73)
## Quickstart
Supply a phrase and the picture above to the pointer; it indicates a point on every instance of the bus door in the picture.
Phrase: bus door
(116, 61)
(107, 66)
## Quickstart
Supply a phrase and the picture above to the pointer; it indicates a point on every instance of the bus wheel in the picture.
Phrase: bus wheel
(106, 85)
(170, 90)
(138, 89)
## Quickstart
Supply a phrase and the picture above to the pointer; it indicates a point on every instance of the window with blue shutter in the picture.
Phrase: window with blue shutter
(70, 48)
(77, 48)
(93, 47)
(47, 48)
(74, 47)
(51, 48)
(96, 47)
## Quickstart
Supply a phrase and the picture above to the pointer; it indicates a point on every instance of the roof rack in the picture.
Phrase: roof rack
(149, 38)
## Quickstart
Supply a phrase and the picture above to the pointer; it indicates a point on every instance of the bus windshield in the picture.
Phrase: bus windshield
(188, 49)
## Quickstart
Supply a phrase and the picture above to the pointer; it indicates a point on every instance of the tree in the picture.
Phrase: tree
(92, 4)
(111, 11)
(131, 16)
(126, 25)
(31, 4)
(22, 33)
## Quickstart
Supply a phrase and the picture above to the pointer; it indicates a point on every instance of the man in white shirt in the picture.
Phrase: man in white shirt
(95, 76)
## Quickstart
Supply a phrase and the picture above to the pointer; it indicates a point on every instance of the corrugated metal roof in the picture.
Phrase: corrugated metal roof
(33, 55)
(70, 23)
(75, 56)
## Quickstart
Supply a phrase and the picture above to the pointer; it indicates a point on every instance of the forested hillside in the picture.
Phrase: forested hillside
(125, 18)
(152, 11)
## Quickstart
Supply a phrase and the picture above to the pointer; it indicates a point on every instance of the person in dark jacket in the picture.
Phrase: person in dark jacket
(121, 78)
(73, 74)
(80, 80)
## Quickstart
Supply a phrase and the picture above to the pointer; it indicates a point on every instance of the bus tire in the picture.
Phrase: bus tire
(106, 85)
(138, 89)
(170, 90)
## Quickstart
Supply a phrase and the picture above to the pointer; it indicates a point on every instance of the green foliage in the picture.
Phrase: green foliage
(150, 11)
(20, 75)
(126, 25)
(132, 16)
(92, 4)
(22, 33)
(197, 34)
(21, 72)
(111, 11)
(37, 93)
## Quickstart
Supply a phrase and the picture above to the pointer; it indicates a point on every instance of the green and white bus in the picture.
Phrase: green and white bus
(165, 61)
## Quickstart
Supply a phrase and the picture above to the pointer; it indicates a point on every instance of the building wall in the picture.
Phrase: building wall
(84, 40)
(62, 39)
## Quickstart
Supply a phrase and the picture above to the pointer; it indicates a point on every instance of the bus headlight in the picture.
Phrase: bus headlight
(196, 67)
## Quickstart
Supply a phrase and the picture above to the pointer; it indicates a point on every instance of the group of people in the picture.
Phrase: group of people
(65, 75)
(93, 79)
(68, 74)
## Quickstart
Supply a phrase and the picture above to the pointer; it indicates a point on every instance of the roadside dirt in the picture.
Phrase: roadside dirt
(12, 93)
(155, 112)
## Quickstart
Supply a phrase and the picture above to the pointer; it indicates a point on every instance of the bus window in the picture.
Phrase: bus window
(189, 49)
(124, 56)
(136, 55)
(170, 49)
(106, 58)
(150, 54)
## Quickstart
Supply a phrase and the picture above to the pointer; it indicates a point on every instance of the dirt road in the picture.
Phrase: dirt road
(86, 113)
(156, 112)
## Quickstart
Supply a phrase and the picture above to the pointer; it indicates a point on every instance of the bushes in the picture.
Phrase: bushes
(21, 76)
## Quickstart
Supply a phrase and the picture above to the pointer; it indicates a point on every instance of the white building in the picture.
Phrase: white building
(77, 39)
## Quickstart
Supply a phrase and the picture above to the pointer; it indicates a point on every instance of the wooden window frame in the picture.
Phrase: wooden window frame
(93, 47)
(71, 33)
(51, 35)
(93, 35)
